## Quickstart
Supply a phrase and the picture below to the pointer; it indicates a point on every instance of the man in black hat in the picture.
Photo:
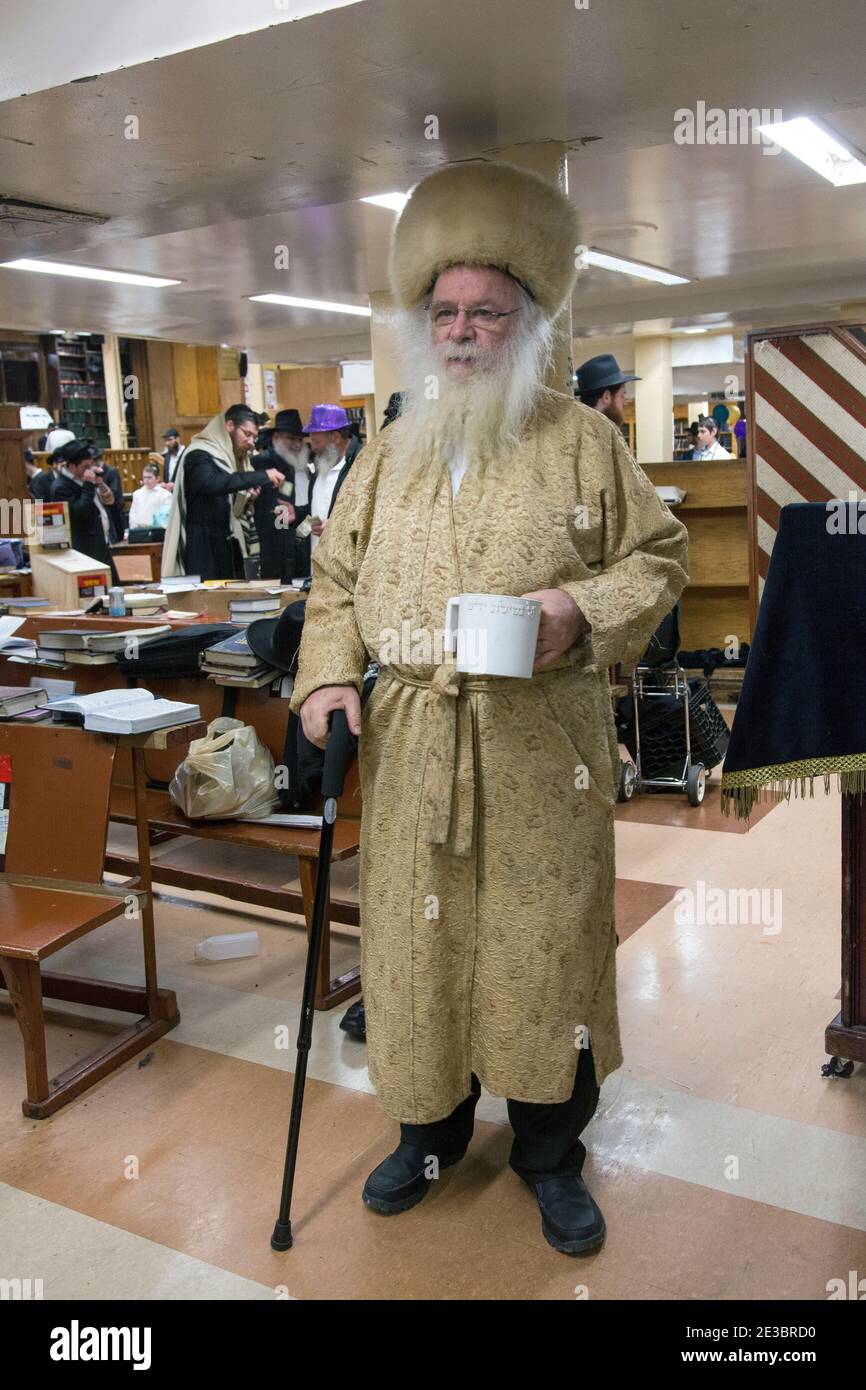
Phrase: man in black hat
(88, 497)
(601, 385)
(278, 510)
(171, 456)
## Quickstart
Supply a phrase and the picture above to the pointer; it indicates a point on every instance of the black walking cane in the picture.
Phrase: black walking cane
(338, 751)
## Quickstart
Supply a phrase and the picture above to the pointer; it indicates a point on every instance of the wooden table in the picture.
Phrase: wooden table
(139, 562)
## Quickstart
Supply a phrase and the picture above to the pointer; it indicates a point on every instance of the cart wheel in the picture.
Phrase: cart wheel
(836, 1067)
(627, 781)
(696, 785)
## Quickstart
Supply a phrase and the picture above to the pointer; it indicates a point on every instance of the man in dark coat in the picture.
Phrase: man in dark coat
(278, 510)
(39, 480)
(213, 486)
(171, 455)
(87, 495)
(116, 509)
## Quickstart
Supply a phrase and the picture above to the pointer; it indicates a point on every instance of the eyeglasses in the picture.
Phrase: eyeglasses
(476, 318)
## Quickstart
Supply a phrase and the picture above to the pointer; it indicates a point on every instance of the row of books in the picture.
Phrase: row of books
(64, 646)
(232, 662)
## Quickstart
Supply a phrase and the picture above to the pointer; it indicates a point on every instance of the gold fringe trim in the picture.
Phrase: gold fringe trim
(741, 791)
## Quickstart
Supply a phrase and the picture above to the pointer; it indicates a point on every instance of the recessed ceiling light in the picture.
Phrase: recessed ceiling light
(395, 201)
(818, 148)
(706, 328)
(325, 304)
(605, 261)
(87, 272)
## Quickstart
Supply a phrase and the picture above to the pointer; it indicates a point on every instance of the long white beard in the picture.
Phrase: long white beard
(483, 416)
(326, 460)
(297, 457)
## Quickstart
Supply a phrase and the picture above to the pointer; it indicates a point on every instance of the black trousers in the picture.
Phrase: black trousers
(546, 1137)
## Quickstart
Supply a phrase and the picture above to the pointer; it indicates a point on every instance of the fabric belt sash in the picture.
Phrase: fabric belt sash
(448, 794)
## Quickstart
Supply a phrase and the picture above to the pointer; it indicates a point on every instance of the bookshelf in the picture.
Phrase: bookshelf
(82, 387)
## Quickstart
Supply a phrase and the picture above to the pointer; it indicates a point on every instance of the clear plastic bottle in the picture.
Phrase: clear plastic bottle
(232, 946)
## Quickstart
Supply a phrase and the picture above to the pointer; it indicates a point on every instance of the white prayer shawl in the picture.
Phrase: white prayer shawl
(215, 440)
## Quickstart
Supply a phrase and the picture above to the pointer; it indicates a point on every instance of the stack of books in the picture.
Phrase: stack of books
(23, 702)
(27, 605)
(122, 711)
(145, 604)
(231, 662)
(252, 606)
(65, 645)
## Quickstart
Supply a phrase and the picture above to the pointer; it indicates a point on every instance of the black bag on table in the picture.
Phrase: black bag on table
(175, 655)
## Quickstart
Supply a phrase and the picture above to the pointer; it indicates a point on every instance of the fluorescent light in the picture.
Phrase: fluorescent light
(818, 148)
(395, 201)
(706, 328)
(294, 303)
(646, 272)
(87, 272)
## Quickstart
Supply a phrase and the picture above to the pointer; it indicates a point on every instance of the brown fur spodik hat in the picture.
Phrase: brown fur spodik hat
(486, 215)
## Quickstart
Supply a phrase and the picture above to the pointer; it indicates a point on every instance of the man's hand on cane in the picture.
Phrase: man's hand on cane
(561, 625)
(318, 706)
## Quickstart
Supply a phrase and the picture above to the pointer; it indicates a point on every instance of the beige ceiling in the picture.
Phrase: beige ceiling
(270, 139)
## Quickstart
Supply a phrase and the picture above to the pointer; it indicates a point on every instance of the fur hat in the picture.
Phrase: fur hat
(491, 215)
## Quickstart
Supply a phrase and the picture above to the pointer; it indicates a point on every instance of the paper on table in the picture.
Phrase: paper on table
(8, 626)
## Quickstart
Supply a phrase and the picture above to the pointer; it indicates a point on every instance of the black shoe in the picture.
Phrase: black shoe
(570, 1220)
(354, 1021)
(401, 1181)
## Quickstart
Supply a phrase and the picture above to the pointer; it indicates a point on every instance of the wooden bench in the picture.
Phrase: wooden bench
(52, 893)
(166, 823)
(268, 716)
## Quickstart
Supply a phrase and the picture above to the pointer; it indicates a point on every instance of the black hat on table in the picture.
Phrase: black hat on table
(600, 374)
(277, 641)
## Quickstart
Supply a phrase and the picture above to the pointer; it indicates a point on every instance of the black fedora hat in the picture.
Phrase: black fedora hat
(75, 451)
(288, 422)
(601, 373)
(277, 641)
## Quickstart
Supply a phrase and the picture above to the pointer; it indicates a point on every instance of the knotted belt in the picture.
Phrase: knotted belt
(448, 780)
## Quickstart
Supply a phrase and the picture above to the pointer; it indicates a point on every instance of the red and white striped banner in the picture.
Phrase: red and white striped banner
(809, 412)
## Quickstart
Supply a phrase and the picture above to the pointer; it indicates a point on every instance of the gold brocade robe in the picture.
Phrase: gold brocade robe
(487, 848)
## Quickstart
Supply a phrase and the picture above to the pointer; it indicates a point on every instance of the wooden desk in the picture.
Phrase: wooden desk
(13, 584)
(138, 562)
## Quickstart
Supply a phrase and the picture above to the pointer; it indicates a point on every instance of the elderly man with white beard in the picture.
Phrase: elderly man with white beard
(487, 852)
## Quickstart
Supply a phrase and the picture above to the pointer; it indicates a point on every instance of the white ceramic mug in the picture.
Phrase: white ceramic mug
(492, 634)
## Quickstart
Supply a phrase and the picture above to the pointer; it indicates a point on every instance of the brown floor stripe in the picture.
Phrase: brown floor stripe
(209, 1134)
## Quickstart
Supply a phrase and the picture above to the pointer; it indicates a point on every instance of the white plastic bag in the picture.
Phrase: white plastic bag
(227, 773)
